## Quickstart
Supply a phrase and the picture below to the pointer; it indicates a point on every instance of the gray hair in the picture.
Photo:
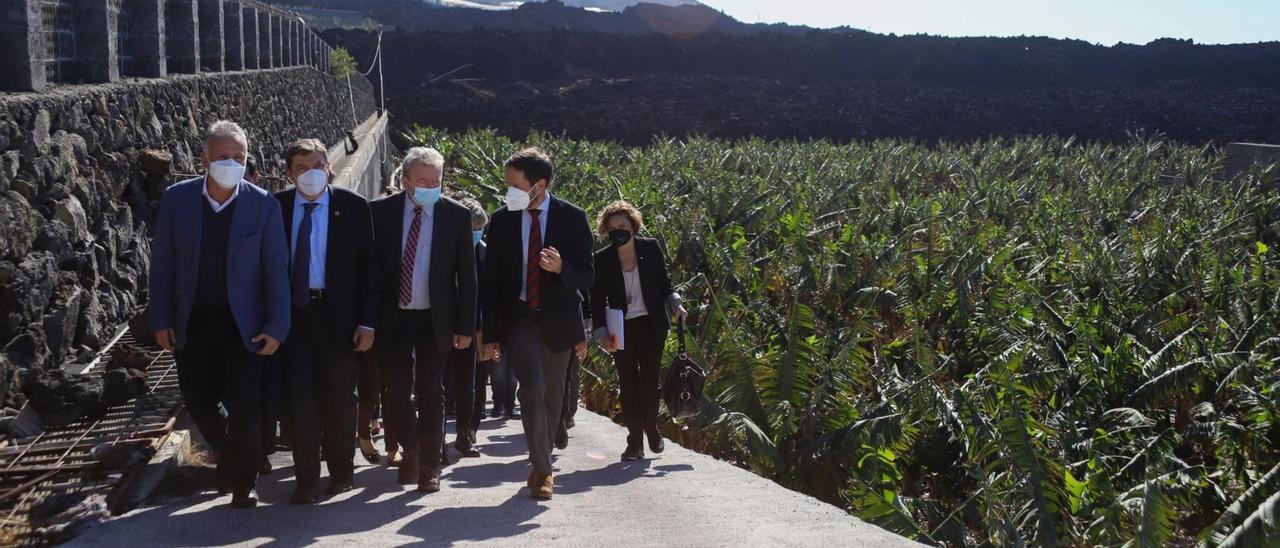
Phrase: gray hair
(225, 129)
(479, 217)
(420, 155)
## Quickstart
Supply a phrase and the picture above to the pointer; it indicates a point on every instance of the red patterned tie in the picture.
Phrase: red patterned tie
(410, 254)
(533, 270)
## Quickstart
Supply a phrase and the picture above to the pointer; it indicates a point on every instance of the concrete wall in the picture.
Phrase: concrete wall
(81, 168)
(364, 170)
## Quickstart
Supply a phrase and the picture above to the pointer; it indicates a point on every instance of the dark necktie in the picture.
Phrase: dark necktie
(533, 270)
(410, 255)
(302, 259)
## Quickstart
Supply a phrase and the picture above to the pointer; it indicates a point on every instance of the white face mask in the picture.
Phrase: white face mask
(227, 173)
(313, 181)
(517, 200)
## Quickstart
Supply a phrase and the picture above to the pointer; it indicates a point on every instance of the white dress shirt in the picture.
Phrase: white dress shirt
(421, 299)
(218, 207)
(319, 234)
(635, 295)
(526, 219)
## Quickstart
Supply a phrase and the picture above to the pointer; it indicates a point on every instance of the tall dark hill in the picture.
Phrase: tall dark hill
(690, 70)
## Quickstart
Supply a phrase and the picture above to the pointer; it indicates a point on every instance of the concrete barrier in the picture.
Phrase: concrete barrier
(364, 169)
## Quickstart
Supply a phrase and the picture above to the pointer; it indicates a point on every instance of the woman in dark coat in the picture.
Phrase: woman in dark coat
(631, 277)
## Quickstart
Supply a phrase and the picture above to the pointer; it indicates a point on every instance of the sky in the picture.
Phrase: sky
(1098, 21)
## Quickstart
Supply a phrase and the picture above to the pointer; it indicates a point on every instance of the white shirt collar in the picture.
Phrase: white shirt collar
(218, 207)
(546, 203)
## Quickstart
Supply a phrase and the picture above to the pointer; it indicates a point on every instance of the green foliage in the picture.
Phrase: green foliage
(341, 63)
(1000, 343)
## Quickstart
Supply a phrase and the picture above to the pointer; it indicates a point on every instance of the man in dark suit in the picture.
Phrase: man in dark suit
(426, 305)
(466, 367)
(538, 262)
(334, 295)
(219, 298)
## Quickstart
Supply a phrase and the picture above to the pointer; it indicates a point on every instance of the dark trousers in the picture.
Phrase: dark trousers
(320, 373)
(483, 371)
(217, 373)
(504, 383)
(462, 389)
(541, 374)
(572, 388)
(638, 379)
(411, 363)
(368, 393)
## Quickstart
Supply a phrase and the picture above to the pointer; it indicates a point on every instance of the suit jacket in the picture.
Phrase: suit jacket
(610, 290)
(257, 262)
(561, 316)
(452, 283)
(350, 271)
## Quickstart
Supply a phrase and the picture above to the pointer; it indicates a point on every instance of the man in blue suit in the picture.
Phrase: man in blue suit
(220, 300)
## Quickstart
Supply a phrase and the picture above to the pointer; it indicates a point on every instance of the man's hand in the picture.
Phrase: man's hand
(362, 339)
(581, 350)
(680, 313)
(550, 260)
(610, 343)
(493, 350)
(461, 341)
(486, 353)
(166, 338)
(269, 344)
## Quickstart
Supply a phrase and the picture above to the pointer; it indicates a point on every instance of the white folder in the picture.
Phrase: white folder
(614, 320)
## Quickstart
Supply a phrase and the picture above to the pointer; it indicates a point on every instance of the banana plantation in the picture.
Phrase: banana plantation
(1002, 343)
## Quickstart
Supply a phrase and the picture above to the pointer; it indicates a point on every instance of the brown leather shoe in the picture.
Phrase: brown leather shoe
(408, 472)
(545, 485)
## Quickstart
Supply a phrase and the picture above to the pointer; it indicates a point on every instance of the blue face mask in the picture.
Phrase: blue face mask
(476, 236)
(426, 197)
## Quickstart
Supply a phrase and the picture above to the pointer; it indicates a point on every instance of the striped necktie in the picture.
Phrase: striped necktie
(533, 270)
(410, 254)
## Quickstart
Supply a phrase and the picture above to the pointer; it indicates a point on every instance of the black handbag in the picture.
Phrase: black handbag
(682, 391)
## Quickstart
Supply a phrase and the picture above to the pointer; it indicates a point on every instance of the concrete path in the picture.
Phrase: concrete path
(679, 498)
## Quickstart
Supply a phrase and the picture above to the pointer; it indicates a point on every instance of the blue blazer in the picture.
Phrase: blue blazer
(257, 262)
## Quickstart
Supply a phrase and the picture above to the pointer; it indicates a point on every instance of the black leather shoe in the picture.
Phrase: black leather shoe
(633, 453)
(244, 499)
(656, 444)
(339, 486)
(369, 452)
(569, 424)
(468, 451)
(303, 494)
(562, 437)
(429, 482)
